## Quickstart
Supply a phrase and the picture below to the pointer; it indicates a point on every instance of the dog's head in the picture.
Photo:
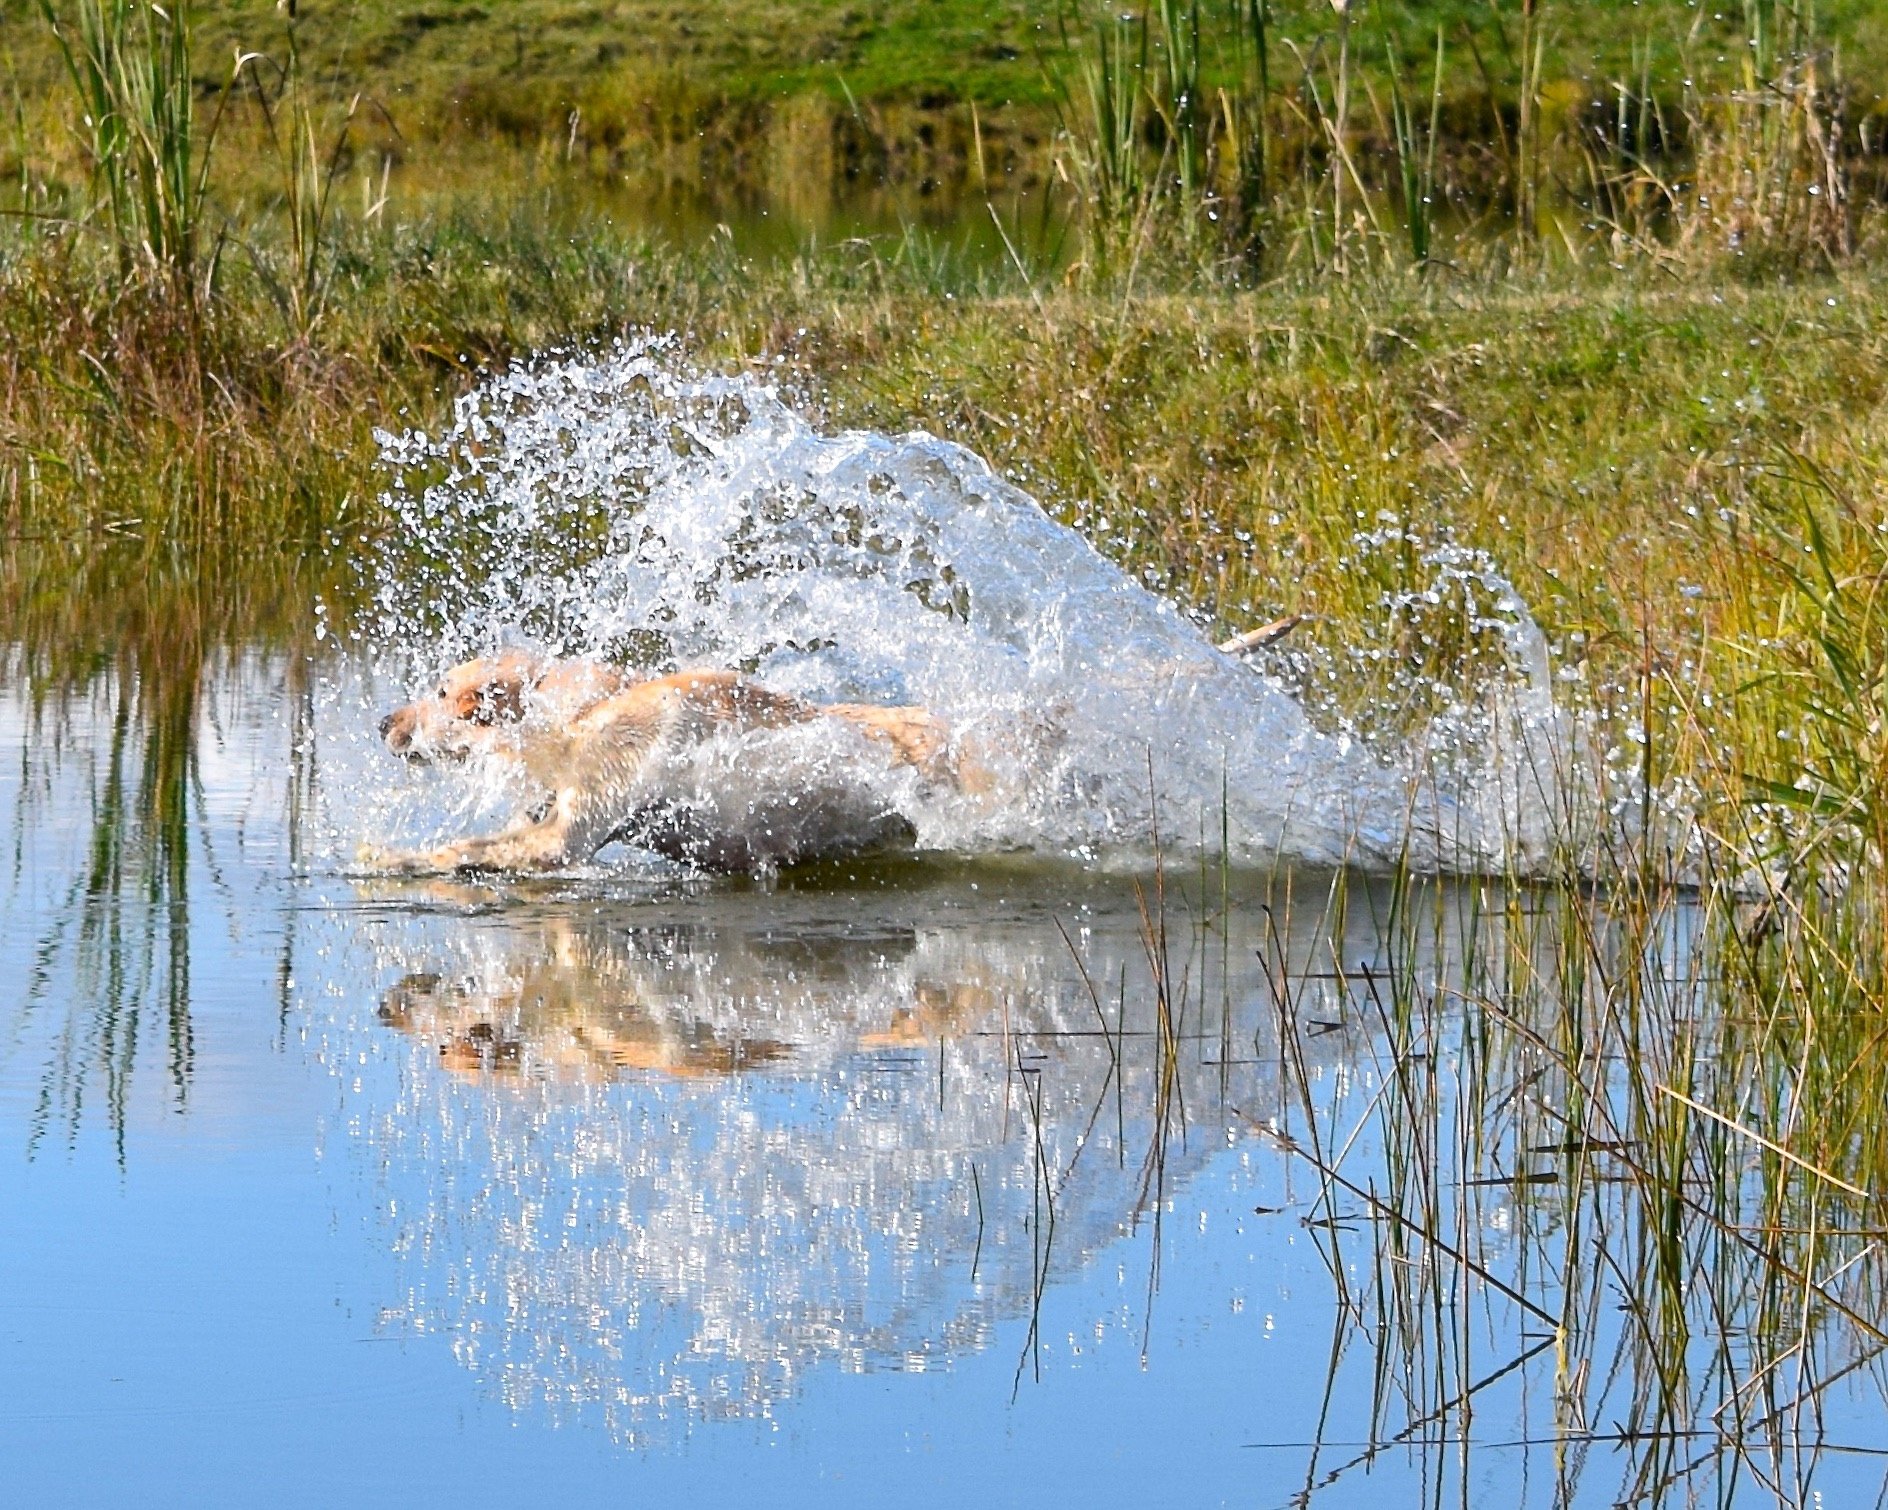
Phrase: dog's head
(467, 713)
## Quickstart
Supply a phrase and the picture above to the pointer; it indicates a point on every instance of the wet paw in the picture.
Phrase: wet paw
(392, 862)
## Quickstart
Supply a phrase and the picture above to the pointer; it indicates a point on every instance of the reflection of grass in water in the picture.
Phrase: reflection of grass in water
(125, 931)
(127, 654)
(135, 910)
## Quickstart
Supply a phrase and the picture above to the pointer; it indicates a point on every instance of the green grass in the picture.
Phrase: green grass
(544, 56)
(640, 71)
(986, 50)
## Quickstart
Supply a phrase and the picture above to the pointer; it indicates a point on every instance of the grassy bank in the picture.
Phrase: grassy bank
(519, 69)
(1517, 111)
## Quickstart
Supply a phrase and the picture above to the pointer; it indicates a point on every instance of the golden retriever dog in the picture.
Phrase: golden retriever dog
(586, 736)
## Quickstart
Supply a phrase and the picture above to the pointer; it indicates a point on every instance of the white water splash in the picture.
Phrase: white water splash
(630, 508)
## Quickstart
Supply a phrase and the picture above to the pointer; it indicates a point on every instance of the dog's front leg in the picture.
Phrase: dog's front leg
(565, 829)
(538, 848)
(543, 844)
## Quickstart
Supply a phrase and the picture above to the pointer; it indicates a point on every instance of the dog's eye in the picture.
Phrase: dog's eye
(440, 693)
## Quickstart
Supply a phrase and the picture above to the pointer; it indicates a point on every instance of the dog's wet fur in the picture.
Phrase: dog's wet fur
(584, 734)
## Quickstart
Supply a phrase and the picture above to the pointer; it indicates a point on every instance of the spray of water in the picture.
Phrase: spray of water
(631, 508)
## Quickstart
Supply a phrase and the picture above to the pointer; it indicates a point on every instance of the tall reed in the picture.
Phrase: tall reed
(1245, 109)
(1102, 123)
(1165, 131)
(1416, 154)
(1573, 1161)
(1771, 178)
(129, 65)
(308, 172)
(1527, 136)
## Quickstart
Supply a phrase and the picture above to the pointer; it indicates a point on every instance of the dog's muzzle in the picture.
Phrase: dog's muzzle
(406, 736)
(397, 733)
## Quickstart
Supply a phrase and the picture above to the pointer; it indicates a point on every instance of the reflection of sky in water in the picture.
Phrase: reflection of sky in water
(865, 1151)
(622, 1198)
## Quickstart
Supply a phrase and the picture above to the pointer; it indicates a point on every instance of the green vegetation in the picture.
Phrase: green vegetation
(521, 66)
(1665, 1192)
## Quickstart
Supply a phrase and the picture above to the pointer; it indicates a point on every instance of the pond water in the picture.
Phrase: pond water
(931, 229)
(1062, 1159)
(889, 1174)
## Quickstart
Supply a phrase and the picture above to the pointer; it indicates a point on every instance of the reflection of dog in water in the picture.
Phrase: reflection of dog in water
(587, 1004)
(559, 1031)
(593, 741)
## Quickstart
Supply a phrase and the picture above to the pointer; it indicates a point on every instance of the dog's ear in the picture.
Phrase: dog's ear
(499, 698)
(500, 694)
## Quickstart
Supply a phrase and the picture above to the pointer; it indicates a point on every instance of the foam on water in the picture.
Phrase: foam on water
(631, 508)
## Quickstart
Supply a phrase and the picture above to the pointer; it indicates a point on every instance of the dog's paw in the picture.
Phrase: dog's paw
(377, 859)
